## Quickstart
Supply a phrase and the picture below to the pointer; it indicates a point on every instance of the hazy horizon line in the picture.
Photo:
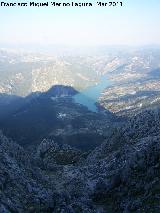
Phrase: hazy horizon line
(59, 46)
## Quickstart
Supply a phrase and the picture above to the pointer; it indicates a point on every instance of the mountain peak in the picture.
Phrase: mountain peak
(60, 91)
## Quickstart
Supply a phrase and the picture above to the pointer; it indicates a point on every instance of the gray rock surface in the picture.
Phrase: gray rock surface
(121, 175)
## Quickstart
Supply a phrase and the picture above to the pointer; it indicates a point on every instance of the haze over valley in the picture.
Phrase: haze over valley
(132, 79)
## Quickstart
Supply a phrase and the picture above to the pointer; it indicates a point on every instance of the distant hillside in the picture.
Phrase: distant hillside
(54, 115)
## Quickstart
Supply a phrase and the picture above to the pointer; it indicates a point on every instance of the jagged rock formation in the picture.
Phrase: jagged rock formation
(129, 175)
(121, 175)
(49, 154)
(23, 188)
(146, 123)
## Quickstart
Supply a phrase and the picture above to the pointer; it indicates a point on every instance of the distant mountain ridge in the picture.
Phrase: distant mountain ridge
(133, 71)
(60, 91)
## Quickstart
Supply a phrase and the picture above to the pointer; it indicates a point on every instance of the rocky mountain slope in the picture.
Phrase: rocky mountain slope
(57, 156)
(121, 175)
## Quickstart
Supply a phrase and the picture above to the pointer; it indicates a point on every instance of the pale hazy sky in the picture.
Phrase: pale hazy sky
(136, 23)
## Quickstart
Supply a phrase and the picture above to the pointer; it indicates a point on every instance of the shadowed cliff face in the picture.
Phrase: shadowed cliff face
(60, 91)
